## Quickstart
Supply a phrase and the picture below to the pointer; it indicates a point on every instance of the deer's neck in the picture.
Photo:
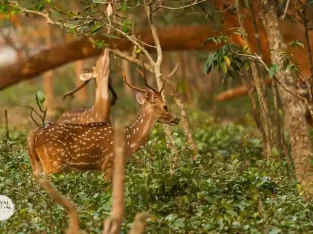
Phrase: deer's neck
(138, 133)
(102, 102)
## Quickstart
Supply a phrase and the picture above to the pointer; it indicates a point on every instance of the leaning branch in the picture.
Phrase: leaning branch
(190, 38)
(112, 225)
(68, 206)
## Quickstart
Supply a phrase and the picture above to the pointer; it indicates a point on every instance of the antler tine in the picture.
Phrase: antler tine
(143, 74)
(161, 90)
(70, 93)
(125, 79)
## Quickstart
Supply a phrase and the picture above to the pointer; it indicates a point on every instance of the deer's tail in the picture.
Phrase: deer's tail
(33, 156)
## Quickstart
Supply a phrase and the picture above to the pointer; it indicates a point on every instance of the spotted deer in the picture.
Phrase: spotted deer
(100, 112)
(64, 146)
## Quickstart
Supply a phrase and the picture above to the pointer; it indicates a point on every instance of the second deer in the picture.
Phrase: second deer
(64, 146)
(100, 112)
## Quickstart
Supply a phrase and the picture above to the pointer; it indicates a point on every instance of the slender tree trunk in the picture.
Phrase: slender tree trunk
(186, 74)
(48, 80)
(127, 69)
(265, 119)
(294, 108)
(181, 105)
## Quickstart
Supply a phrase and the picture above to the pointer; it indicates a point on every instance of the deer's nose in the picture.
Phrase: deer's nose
(176, 120)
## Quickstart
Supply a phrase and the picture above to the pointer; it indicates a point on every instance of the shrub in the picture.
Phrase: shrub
(229, 188)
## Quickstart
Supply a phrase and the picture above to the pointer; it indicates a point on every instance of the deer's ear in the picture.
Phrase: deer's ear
(140, 98)
(86, 76)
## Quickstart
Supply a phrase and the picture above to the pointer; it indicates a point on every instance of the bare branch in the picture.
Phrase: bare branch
(135, 42)
(32, 117)
(68, 206)
(131, 59)
(158, 76)
(7, 133)
(125, 78)
(172, 72)
(286, 9)
(155, 37)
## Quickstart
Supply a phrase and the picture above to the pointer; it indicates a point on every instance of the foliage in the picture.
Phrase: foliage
(231, 58)
(228, 58)
(228, 189)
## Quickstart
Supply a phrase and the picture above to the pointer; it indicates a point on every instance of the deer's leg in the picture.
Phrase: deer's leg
(107, 168)
(33, 156)
(51, 163)
(35, 164)
(108, 175)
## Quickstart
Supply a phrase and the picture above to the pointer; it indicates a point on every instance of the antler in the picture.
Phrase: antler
(70, 93)
(125, 79)
(143, 73)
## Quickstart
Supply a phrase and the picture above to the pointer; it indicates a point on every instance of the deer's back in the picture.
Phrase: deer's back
(78, 116)
(81, 146)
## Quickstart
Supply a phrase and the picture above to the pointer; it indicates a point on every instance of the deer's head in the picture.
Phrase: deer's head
(152, 101)
(100, 72)
(154, 104)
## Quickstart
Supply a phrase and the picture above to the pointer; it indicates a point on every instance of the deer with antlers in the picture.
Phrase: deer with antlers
(64, 146)
(100, 112)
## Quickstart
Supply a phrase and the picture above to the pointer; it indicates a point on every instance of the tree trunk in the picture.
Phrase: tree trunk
(294, 108)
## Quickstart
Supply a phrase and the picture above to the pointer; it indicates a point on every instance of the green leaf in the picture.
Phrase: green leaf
(40, 96)
(272, 70)
(245, 48)
(111, 35)
(275, 152)
(289, 66)
(216, 40)
(227, 61)
(275, 231)
(40, 7)
(224, 67)
(126, 26)
(96, 28)
(296, 44)
(247, 66)
(208, 64)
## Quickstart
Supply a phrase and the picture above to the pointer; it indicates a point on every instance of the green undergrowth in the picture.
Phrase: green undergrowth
(229, 188)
